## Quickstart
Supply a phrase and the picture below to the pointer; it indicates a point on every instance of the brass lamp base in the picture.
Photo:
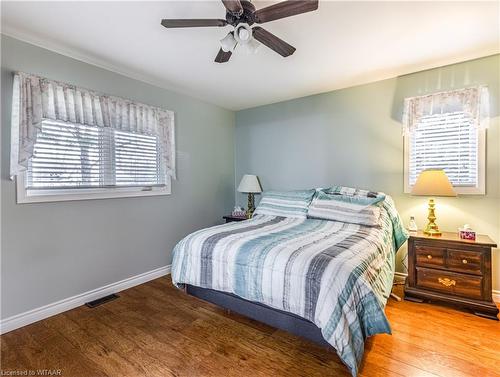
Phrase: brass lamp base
(251, 205)
(432, 232)
(432, 229)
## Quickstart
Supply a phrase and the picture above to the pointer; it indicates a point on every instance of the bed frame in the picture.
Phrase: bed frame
(273, 317)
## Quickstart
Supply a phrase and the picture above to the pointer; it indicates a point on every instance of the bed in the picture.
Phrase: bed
(324, 280)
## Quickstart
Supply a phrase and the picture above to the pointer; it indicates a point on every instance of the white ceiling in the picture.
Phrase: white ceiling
(340, 45)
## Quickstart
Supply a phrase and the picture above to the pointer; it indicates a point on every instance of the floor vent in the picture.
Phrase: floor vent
(102, 300)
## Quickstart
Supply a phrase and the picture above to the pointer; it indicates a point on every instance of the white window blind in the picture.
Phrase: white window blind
(449, 142)
(137, 160)
(74, 156)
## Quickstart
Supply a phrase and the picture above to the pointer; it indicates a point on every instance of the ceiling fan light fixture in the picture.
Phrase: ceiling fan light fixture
(228, 43)
(243, 33)
(241, 13)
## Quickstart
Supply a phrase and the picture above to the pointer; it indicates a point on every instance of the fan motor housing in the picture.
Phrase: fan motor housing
(246, 16)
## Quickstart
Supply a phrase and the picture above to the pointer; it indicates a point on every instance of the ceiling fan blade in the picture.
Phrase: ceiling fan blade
(272, 41)
(284, 9)
(201, 22)
(233, 6)
(222, 56)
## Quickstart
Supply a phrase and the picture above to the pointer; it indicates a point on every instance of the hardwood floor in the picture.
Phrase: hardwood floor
(156, 330)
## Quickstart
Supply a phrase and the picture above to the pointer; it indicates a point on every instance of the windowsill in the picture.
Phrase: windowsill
(459, 190)
(61, 195)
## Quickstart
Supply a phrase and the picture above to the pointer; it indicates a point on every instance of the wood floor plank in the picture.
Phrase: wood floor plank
(156, 329)
(187, 355)
(41, 349)
(183, 356)
(452, 344)
(429, 360)
(460, 321)
(375, 362)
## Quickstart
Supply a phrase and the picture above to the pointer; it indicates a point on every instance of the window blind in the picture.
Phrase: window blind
(137, 160)
(449, 142)
(73, 156)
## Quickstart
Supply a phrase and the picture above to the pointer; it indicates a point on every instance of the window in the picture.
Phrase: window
(451, 142)
(72, 143)
(73, 161)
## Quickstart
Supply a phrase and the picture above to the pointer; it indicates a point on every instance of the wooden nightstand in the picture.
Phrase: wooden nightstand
(231, 218)
(452, 270)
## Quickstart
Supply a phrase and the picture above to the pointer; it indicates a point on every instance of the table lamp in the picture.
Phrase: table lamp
(433, 182)
(250, 184)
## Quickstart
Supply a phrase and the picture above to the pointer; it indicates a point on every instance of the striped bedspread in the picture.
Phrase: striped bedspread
(337, 275)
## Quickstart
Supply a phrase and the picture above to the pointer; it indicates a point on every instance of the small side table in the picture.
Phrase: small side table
(452, 270)
(231, 218)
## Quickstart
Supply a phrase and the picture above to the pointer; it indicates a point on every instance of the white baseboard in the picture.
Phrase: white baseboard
(494, 293)
(34, 315)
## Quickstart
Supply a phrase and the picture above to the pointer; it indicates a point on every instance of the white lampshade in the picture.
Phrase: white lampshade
(228, 43)
(242, 33)
(250, 183)
(433, 182)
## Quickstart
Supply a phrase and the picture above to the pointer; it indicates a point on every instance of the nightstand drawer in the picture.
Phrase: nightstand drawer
(465, 261)
(451, 283)
(430, 256)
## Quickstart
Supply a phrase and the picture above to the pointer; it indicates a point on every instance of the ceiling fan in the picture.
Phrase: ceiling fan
(241, 14)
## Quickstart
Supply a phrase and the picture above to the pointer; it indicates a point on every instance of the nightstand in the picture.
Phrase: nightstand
(451, 270)
(231, 218)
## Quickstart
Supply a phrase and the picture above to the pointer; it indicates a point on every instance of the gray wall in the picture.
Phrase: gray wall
(353, 137)
(53, 251)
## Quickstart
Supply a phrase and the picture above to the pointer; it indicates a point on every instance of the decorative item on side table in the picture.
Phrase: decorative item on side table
(433, 182)
(466, 233)
(238, 214)
(452, 270)
(250, 184)
(412, 226)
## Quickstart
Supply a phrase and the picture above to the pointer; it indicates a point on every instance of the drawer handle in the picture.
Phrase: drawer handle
(447, 282)
(429, 256)
(464, 261)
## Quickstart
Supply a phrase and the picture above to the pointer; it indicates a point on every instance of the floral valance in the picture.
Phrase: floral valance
(37, 98)
(472, 101)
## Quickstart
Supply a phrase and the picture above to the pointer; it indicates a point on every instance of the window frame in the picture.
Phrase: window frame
(34, 195)
(479, 189)
(60, 195)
